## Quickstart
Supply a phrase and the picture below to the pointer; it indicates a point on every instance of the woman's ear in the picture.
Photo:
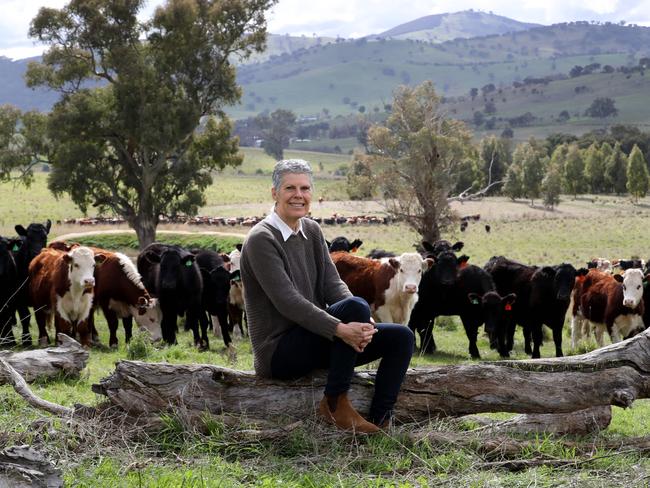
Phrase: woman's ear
(273, 193)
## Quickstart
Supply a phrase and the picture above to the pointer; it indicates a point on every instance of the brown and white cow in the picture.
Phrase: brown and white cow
(389, 285)
(120, 293)
(608, 302)
(61, 284)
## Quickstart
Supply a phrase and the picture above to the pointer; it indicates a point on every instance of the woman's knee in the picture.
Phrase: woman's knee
(401, 337)
(355, 309)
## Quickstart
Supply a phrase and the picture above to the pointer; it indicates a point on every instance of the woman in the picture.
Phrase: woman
(302, 317)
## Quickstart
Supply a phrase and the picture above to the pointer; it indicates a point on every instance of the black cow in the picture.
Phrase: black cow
(380, 253)
(543, 295)
(34, 238)
(8, 286)
(440, 277)
(343, 244)
(216, 288)
(171, 274)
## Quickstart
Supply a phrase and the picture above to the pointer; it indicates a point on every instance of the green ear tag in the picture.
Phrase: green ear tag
(474, 301)
(15, 248)
(188, 263)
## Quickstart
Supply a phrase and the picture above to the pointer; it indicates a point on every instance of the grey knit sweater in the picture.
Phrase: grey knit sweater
(287, 284)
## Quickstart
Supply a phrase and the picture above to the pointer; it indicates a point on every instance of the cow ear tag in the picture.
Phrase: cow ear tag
(15, 248)
(474, 301)
(508, 307)
(188, 263)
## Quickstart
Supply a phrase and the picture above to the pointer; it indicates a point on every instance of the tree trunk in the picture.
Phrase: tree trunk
(22, 466)
(145, 229)
(614, 375)
(68, 359)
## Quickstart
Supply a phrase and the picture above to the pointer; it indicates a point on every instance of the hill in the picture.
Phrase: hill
(445, 27)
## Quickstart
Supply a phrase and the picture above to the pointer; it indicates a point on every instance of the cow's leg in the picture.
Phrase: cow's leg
(599, 332)
(537, 337)
(85, 334)
(557, 338)
(192, 323)
(471, 330)
(127, 323)
(222, 317)
(62, 326)
(23, 313)
(527, 339)
(576, 330)
(7, 319)
(113, 323)
(427, 342)
(168, 326)
(42, 318)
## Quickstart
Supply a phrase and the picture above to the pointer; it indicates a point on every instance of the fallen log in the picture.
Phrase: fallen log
(614, 375)
(66, 359)
(22, 467)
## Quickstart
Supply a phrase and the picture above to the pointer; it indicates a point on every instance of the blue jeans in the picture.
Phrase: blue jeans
(300, 351)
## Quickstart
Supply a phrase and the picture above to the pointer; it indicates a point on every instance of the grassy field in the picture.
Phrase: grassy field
(97, 453)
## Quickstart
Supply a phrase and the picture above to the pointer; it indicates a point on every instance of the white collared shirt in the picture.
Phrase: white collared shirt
(274, 219)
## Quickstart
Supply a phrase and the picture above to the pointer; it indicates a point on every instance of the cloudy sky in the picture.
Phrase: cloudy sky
(355, 18)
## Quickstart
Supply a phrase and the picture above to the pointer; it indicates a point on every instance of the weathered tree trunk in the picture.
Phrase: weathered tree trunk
(22, 466)
(68, 359)
(614, 375)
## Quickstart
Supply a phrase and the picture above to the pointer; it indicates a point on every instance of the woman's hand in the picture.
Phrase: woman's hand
(356, 334)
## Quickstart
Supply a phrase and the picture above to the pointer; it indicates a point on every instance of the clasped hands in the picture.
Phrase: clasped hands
(356, 334)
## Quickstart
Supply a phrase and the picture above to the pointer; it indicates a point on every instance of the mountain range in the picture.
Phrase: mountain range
(316, 76)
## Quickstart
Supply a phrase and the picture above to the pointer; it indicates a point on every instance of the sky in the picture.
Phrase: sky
(353, 18)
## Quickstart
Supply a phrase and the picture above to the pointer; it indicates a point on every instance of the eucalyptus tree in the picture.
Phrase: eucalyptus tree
(139, 126)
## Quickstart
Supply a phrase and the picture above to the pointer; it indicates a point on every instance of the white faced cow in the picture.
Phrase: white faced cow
(389, 285)
(612, 303)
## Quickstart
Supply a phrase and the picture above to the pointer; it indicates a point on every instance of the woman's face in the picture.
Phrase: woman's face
(293, 198)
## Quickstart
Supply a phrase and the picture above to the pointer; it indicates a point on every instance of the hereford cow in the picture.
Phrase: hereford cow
(216, 289)
(472, 296)
(608, 302)
(61, 284)
(34, 238)
(389, 285)
(120, 294)
(543, 296)
(8, 287)
(171, 274)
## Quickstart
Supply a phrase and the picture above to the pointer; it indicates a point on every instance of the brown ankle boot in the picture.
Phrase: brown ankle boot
(344, 416)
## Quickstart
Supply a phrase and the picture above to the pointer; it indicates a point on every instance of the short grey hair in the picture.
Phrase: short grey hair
(294, 166)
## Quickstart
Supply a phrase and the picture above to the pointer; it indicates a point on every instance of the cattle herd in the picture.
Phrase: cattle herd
(66, 283)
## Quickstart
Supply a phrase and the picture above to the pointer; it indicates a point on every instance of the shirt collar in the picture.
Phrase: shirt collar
(274, 219)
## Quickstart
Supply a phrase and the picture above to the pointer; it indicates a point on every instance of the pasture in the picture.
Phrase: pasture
(101, 453)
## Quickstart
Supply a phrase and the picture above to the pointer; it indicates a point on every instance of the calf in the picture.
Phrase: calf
(389, 285)
(543, 296)
(472, 296)
(8, 287)
(61, 284)
(609, 302)
(216, 289)
(34, 238)
(171, 274)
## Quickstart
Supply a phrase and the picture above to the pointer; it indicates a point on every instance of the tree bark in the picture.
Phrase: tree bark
(22, 466)
(68, 359)
(145, 229)
(614, 375)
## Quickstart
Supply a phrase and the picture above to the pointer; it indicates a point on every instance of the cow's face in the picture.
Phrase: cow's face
(148, 316)
(632, 281)
(81, 267)
(409, 271)
(447, 266)
(172, 262)
(35, 237)
(565, 278)
(220, 285)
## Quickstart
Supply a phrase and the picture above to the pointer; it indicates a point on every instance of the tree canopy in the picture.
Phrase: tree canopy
(419, 152)
(140, 125)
